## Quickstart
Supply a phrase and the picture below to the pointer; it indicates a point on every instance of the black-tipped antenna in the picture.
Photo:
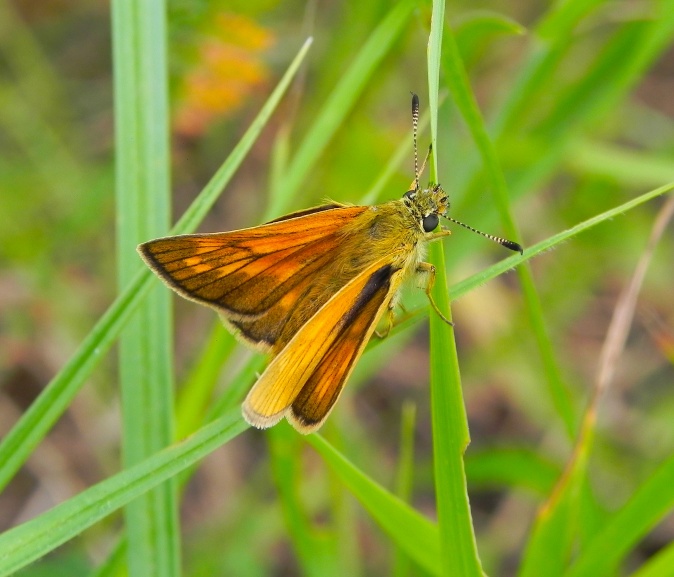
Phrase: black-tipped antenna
(415, 126)
(497, 239)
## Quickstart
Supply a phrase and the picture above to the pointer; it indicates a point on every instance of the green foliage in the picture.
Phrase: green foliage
(549, 127)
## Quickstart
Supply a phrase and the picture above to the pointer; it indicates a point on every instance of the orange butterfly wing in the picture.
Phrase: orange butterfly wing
(304, 381)
(256, 278)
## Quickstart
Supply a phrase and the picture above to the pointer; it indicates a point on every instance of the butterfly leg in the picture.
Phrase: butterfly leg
(389, 323)
(427, 272)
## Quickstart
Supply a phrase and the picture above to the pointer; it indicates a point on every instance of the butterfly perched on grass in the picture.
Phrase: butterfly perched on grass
(309, 288)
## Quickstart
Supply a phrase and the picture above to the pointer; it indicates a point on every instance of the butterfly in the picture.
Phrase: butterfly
(310, 288)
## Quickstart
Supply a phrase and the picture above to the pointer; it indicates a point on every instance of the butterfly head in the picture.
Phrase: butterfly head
(427, 205)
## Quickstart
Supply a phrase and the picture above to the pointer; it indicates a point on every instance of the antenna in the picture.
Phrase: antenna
(497, 239)
(415, 127)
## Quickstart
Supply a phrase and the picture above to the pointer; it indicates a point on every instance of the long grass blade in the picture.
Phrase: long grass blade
(143, 196)
(17, 445)
(458, 548)
(33, 539)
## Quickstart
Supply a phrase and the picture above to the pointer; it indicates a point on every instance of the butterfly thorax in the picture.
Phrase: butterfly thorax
(397, 229)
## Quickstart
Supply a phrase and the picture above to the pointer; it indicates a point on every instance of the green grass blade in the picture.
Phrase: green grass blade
(144, 211)
(315, 552)
(384, 507)
(466, 285)
(336, 107)
(405, 477)
(470, 283)
(112, 566)
(458, 549)
(617, 68)
(203, 203)
(410, 530)
(629, 167)
(30, 122)
(658, 565)
(450, 440)
(434, 53)
(474, 30)
(196, 392)
(651, 502)
(554, 533)
(17, 445)
(457, 79)
(512, 467)
(459, 85)
(33, 539)
(553, 38)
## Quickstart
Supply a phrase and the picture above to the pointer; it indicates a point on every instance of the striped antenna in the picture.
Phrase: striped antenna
(497, 239)
(415, 127)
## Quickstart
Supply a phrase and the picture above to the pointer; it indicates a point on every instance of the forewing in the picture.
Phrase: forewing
(255, 273)
(305, 379)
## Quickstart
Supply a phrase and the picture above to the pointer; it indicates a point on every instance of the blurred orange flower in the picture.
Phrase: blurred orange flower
(230, 67)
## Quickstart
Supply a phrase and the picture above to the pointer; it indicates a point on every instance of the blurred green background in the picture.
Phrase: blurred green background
(578, 99)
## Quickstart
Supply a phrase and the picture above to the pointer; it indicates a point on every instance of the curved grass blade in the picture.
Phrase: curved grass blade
(652, 502)
(336, 107)
(53, 401)
(459, 84)
(411, 531)
(33, 539)
(465, 286)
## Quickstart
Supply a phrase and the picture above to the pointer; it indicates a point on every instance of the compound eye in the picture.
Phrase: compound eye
(409, 194)
(430, 222)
